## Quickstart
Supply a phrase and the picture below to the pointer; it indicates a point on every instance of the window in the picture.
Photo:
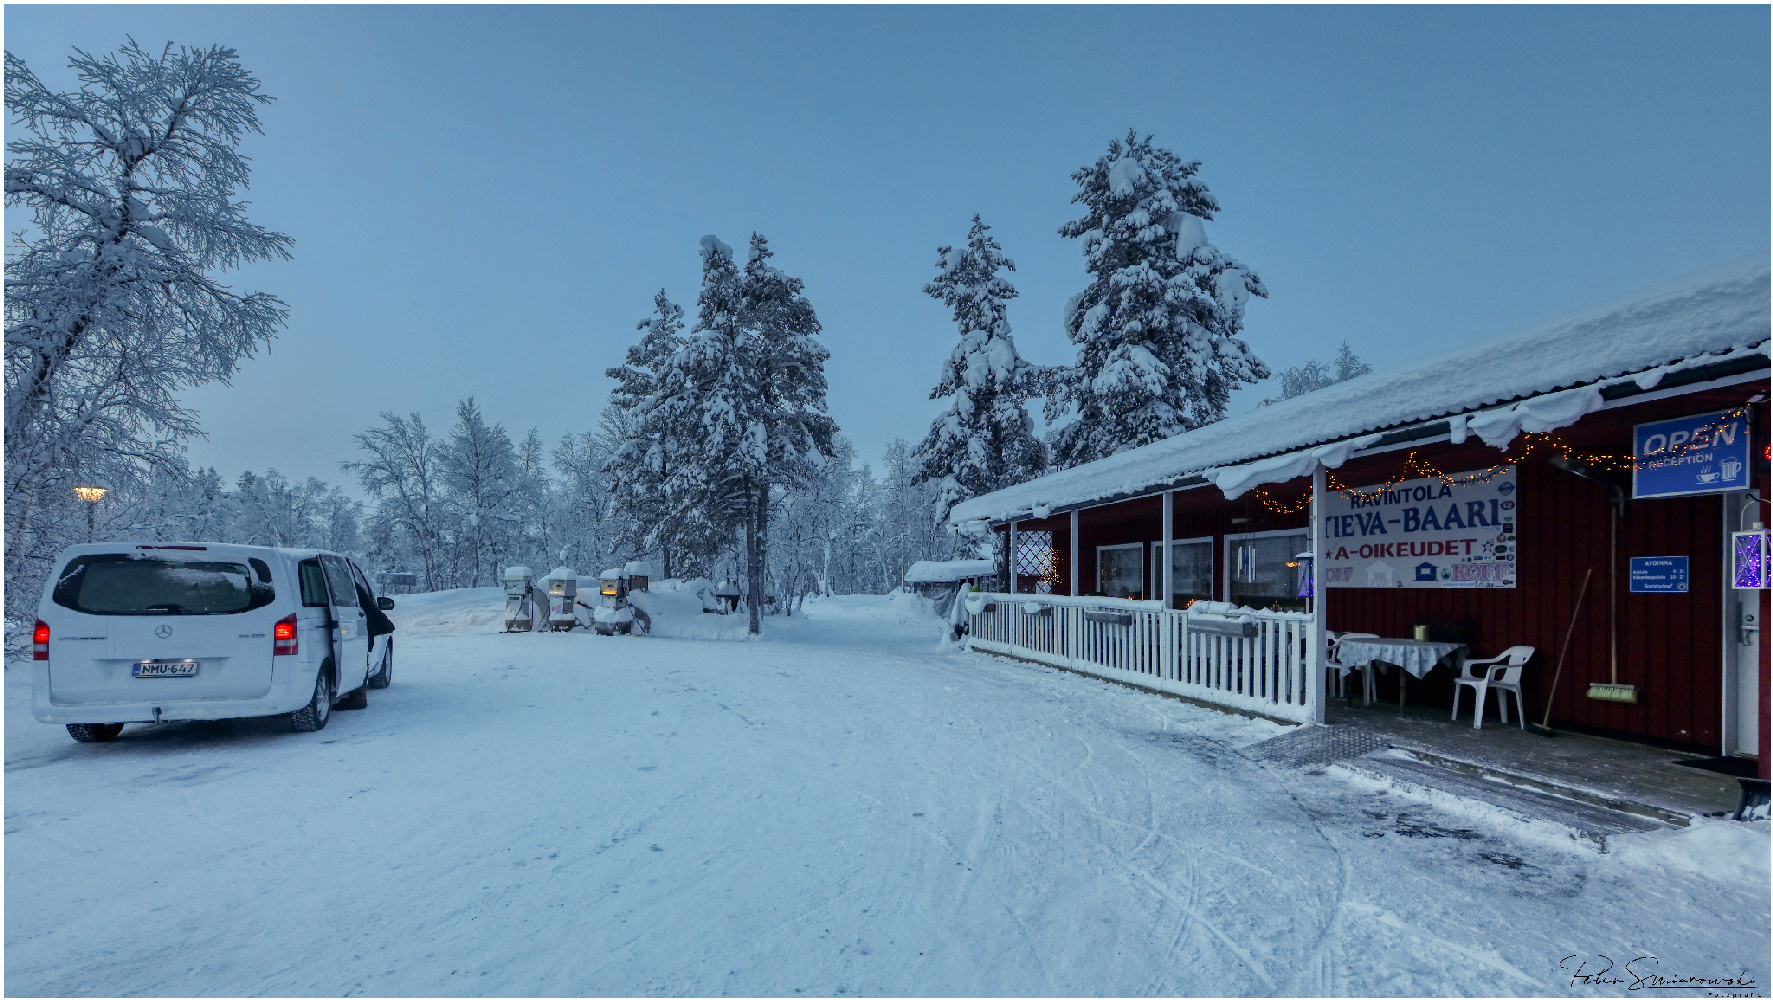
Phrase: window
(1036, 563)
(1191, 570)
(313, 585)
(338, 578)
(118, 584)
(1262, 569)
(358, 578)
(1120, 570)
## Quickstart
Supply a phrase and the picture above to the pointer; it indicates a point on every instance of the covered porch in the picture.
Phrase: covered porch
(1216, 565)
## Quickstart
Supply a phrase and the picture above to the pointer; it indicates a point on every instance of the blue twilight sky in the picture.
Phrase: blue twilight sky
(485, 199)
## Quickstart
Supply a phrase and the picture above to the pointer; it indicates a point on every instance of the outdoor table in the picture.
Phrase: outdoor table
(1416, 658)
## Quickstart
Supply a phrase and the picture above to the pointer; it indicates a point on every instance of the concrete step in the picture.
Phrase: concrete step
(1584, 820)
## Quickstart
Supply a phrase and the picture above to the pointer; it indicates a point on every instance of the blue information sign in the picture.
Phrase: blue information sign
(1702, 453)
(1659, 574)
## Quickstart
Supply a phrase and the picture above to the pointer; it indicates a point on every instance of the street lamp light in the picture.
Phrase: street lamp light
(92, 495)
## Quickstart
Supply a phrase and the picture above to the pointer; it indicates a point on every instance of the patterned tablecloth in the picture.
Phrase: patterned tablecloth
(1418, 658)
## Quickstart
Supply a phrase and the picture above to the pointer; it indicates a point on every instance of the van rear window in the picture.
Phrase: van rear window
(117, 584)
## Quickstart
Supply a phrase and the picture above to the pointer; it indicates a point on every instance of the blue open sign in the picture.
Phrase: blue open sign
(1703, 453)
(1659, 574)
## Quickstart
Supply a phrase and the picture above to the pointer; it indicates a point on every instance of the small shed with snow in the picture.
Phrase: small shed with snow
(941, 580)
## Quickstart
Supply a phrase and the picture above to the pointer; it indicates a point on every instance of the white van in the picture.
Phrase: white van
(156, 633)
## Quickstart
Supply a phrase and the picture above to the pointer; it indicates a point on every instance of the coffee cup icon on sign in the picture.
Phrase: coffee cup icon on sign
(1731, 467)
(1707, 475)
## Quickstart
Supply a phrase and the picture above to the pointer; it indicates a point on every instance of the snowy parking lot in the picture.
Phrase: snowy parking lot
(842, 808)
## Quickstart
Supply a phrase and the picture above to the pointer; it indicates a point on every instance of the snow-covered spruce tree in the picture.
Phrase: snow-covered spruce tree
(644, 463)
(112, 305)
(738, 410)
(638, 376)
(785, 366)
(985, 440)
(1157, 327)
(670, 473)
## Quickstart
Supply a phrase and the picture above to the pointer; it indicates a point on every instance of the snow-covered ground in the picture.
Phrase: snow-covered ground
(840, 809)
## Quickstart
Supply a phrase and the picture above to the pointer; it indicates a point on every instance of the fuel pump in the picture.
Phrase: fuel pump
(563, 594)
(613, 613)
(521, 599)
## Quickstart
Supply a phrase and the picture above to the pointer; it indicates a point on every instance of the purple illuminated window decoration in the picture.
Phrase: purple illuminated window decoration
(1748, 563)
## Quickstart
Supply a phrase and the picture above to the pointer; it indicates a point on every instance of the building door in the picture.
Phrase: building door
(1742, 639)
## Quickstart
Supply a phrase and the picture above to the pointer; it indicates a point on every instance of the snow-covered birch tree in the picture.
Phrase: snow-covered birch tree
(403, 472)
(1314, 375)
(985, 440)
(1157, 328)
(479, 467)
(113, 306)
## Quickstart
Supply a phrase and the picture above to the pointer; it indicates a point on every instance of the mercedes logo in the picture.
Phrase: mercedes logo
(163, 631)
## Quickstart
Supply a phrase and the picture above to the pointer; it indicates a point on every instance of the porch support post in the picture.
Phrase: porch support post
(1320, 649)
(1010, 557)
(1162, 576)
(1074, 574)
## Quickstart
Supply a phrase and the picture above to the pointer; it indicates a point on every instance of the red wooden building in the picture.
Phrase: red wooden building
(1627, 446)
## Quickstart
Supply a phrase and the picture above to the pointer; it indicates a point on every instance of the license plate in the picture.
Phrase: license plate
(165, 668)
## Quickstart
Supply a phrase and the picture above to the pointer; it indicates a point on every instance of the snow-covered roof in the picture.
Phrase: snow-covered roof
(928, 571)
(1719, 311)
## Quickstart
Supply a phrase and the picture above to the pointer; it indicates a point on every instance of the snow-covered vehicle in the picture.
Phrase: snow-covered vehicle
(164, 632)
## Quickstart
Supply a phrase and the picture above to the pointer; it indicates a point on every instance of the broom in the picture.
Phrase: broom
(1613, 690)
(1544, 728)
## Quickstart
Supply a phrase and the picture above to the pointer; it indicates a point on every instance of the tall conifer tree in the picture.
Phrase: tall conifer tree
(1157, 327)
(985, 440)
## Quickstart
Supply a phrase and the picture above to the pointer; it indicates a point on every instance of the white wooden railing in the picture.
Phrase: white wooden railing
(1274, 673)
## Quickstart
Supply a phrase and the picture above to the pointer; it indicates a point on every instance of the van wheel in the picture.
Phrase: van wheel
(385, 676)
(311, 718)
(356, 700)
(95, 732)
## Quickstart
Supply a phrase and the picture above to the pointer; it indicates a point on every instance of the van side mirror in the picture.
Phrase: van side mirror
(385, 603)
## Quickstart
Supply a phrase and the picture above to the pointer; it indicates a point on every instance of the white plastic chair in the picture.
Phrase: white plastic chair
(1500, 672)
(1337, 664)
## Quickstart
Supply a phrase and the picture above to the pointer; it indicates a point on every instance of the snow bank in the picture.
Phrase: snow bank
(465, 609)
(898, 606)
(675, 608)
(1714, 313)
(1723, 850)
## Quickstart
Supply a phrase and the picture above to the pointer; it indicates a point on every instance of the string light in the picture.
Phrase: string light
(1530, 443)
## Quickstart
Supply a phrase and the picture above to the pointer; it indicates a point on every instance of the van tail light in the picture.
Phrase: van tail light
(40, 641)
(283, 637)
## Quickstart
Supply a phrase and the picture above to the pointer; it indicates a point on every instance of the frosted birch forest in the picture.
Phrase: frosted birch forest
(713, 455)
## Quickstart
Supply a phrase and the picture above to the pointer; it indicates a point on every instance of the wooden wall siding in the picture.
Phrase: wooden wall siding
(1670, 645)
(1138, 520)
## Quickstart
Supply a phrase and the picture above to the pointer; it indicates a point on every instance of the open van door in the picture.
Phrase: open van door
(350, 639)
